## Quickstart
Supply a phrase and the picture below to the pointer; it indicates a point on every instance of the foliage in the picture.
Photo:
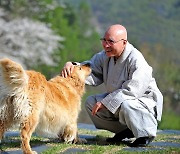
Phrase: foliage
(170, 120)
(147, 21)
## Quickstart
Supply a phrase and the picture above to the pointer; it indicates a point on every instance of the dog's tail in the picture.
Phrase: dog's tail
(13, 78)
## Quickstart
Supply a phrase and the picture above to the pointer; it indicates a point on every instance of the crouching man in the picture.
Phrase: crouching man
(132, 103)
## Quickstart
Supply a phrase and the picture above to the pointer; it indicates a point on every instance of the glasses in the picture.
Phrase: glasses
(110, 41)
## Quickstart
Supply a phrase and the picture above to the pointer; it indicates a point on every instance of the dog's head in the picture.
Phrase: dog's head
(81, 71)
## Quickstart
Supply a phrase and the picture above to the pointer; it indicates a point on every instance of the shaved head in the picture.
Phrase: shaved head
(118, 31)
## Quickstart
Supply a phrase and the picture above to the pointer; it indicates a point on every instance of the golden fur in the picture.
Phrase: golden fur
(47, 107)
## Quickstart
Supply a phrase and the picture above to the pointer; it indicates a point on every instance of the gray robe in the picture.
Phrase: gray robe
(127, 79)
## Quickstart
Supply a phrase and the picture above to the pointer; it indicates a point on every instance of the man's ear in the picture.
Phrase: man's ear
(124, 42)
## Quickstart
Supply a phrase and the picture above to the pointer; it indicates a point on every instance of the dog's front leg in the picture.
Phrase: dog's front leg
(70, 133)
(27, 128)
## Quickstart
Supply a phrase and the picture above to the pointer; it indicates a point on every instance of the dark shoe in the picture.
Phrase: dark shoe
(127, 133)
(141, 142)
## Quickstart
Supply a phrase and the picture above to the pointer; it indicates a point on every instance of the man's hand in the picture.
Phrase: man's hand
(97, 107)
(67, 70)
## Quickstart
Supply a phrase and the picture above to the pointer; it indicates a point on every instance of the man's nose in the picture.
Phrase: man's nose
(106, 45)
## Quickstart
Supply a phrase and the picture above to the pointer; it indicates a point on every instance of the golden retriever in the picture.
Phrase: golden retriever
(48, 108)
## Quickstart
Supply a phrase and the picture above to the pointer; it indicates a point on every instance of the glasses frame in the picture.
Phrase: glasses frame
(110, 41)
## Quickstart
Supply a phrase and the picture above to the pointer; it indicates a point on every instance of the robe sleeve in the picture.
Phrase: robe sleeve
(96, 77)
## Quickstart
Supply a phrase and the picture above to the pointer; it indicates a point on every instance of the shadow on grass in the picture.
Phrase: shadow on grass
(14, 143)
(101, 141)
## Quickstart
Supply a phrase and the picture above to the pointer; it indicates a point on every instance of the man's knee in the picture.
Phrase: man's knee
(90, 101)
(126, 105)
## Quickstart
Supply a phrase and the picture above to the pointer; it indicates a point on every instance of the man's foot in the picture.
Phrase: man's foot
(127, 133)
(141, 142)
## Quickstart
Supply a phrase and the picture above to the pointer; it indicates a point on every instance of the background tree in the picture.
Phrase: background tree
(26, 41)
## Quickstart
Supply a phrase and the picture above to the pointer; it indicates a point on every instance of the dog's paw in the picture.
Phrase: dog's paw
(68, 139)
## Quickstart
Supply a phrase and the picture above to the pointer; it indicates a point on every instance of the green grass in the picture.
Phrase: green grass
(170, 120)
(94, 145)
(97, 145)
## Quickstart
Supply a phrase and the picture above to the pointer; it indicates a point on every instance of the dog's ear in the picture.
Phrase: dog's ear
(74, 63)
(86, 63)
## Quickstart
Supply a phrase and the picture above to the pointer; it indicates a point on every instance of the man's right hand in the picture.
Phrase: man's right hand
(98, 106)
(67, 70)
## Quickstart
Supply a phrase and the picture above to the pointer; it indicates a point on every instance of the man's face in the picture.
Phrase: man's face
(113, 44)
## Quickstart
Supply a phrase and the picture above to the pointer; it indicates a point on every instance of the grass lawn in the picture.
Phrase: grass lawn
(95, 144)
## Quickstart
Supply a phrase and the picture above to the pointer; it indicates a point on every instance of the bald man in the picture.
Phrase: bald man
(132, 103)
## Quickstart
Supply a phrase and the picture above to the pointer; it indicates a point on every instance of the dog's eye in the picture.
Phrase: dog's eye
(80, 68)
